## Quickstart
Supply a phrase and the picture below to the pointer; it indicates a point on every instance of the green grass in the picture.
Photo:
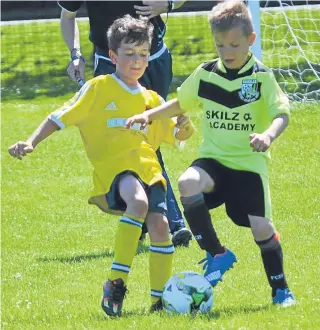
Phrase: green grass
(34, 57)
(57, 250)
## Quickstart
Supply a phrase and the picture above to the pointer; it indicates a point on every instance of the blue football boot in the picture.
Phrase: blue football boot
(216, 266)
(284, 298)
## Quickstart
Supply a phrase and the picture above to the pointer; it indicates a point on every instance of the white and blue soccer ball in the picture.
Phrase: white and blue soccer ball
(187, 292)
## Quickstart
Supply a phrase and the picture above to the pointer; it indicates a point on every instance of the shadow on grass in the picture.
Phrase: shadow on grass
(26, 85)
(233, 310)
(79, 258)
(142, 248)
(215, 314)
(124, 315)
(19, 83)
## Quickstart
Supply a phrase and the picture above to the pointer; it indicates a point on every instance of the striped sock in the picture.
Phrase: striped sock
(160, 266)
(126, 243)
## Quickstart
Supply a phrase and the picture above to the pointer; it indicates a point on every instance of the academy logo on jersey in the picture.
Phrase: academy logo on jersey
(249, 90)
(111, 106)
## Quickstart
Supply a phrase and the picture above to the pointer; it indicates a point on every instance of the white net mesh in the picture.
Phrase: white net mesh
(291, 46)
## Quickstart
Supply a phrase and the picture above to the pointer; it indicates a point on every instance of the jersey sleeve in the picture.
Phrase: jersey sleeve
(276, 101)
(76, 109)
(169, 131)
(188, 92)
(71, 6)
(155, 100)
(166, 130)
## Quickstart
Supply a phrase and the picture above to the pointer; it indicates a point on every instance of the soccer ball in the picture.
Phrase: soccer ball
(187, 292)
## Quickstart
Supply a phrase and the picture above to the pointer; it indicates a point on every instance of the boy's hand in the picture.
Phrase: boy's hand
(260, 142)
(185, 126)
(152, 8)
(20, 149)
(142, 119)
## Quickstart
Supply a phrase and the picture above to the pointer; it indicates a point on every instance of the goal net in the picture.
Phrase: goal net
(289, 43)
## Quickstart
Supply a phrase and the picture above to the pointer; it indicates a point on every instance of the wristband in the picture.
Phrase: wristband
(78, 57)
(75, 49)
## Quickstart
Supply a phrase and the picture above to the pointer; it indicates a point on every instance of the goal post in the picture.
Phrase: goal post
(254, 7)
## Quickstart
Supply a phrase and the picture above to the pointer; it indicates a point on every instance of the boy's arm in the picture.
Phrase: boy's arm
(187, 100)
(278, 108)
(262, 142)
(21, 148)
(166, 110)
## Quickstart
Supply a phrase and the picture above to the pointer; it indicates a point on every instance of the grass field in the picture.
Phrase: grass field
(57, 250)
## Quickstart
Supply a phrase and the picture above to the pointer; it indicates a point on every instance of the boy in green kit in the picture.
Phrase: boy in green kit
(243, 112)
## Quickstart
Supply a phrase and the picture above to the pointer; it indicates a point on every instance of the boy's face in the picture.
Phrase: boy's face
(233, 46)
(131, 61)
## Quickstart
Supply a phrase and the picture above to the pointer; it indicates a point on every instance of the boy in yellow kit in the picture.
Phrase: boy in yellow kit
(127, 175)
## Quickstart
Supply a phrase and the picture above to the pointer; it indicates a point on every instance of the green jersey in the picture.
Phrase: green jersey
(233, 105)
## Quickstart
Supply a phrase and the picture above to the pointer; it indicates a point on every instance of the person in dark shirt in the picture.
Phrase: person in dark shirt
(157, 77)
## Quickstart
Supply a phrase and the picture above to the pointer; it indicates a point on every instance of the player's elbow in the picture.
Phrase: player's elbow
(284, 118)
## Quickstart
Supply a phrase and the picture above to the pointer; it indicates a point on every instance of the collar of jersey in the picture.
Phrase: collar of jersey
(137, 90)
(246, 67)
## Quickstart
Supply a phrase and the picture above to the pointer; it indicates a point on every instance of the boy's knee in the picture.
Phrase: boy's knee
(161, 226)
(158, 227)
(262, 228)
(187, 186)
(192, 202)
(138, 206)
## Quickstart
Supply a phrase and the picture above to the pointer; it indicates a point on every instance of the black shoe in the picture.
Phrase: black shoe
(143, 232)
(142, 237)
(113, 295)
(156, 306)
(181, 237)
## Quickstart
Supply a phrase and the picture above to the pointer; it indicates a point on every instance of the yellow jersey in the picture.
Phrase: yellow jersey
(100, 110)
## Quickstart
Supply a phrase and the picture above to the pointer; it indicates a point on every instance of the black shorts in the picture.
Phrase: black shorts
(243, 193)
(156, 195)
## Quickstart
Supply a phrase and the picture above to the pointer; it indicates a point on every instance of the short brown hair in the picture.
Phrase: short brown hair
(129, 30)
(231, 14)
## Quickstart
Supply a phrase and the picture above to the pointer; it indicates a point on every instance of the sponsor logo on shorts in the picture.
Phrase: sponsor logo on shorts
(162, 205)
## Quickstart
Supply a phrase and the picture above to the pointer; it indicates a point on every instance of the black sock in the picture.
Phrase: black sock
(199, 220)
(272, 258)
(144, 228)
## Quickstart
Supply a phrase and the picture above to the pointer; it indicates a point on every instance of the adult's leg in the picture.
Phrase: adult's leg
(158, 77)
(174, 215)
